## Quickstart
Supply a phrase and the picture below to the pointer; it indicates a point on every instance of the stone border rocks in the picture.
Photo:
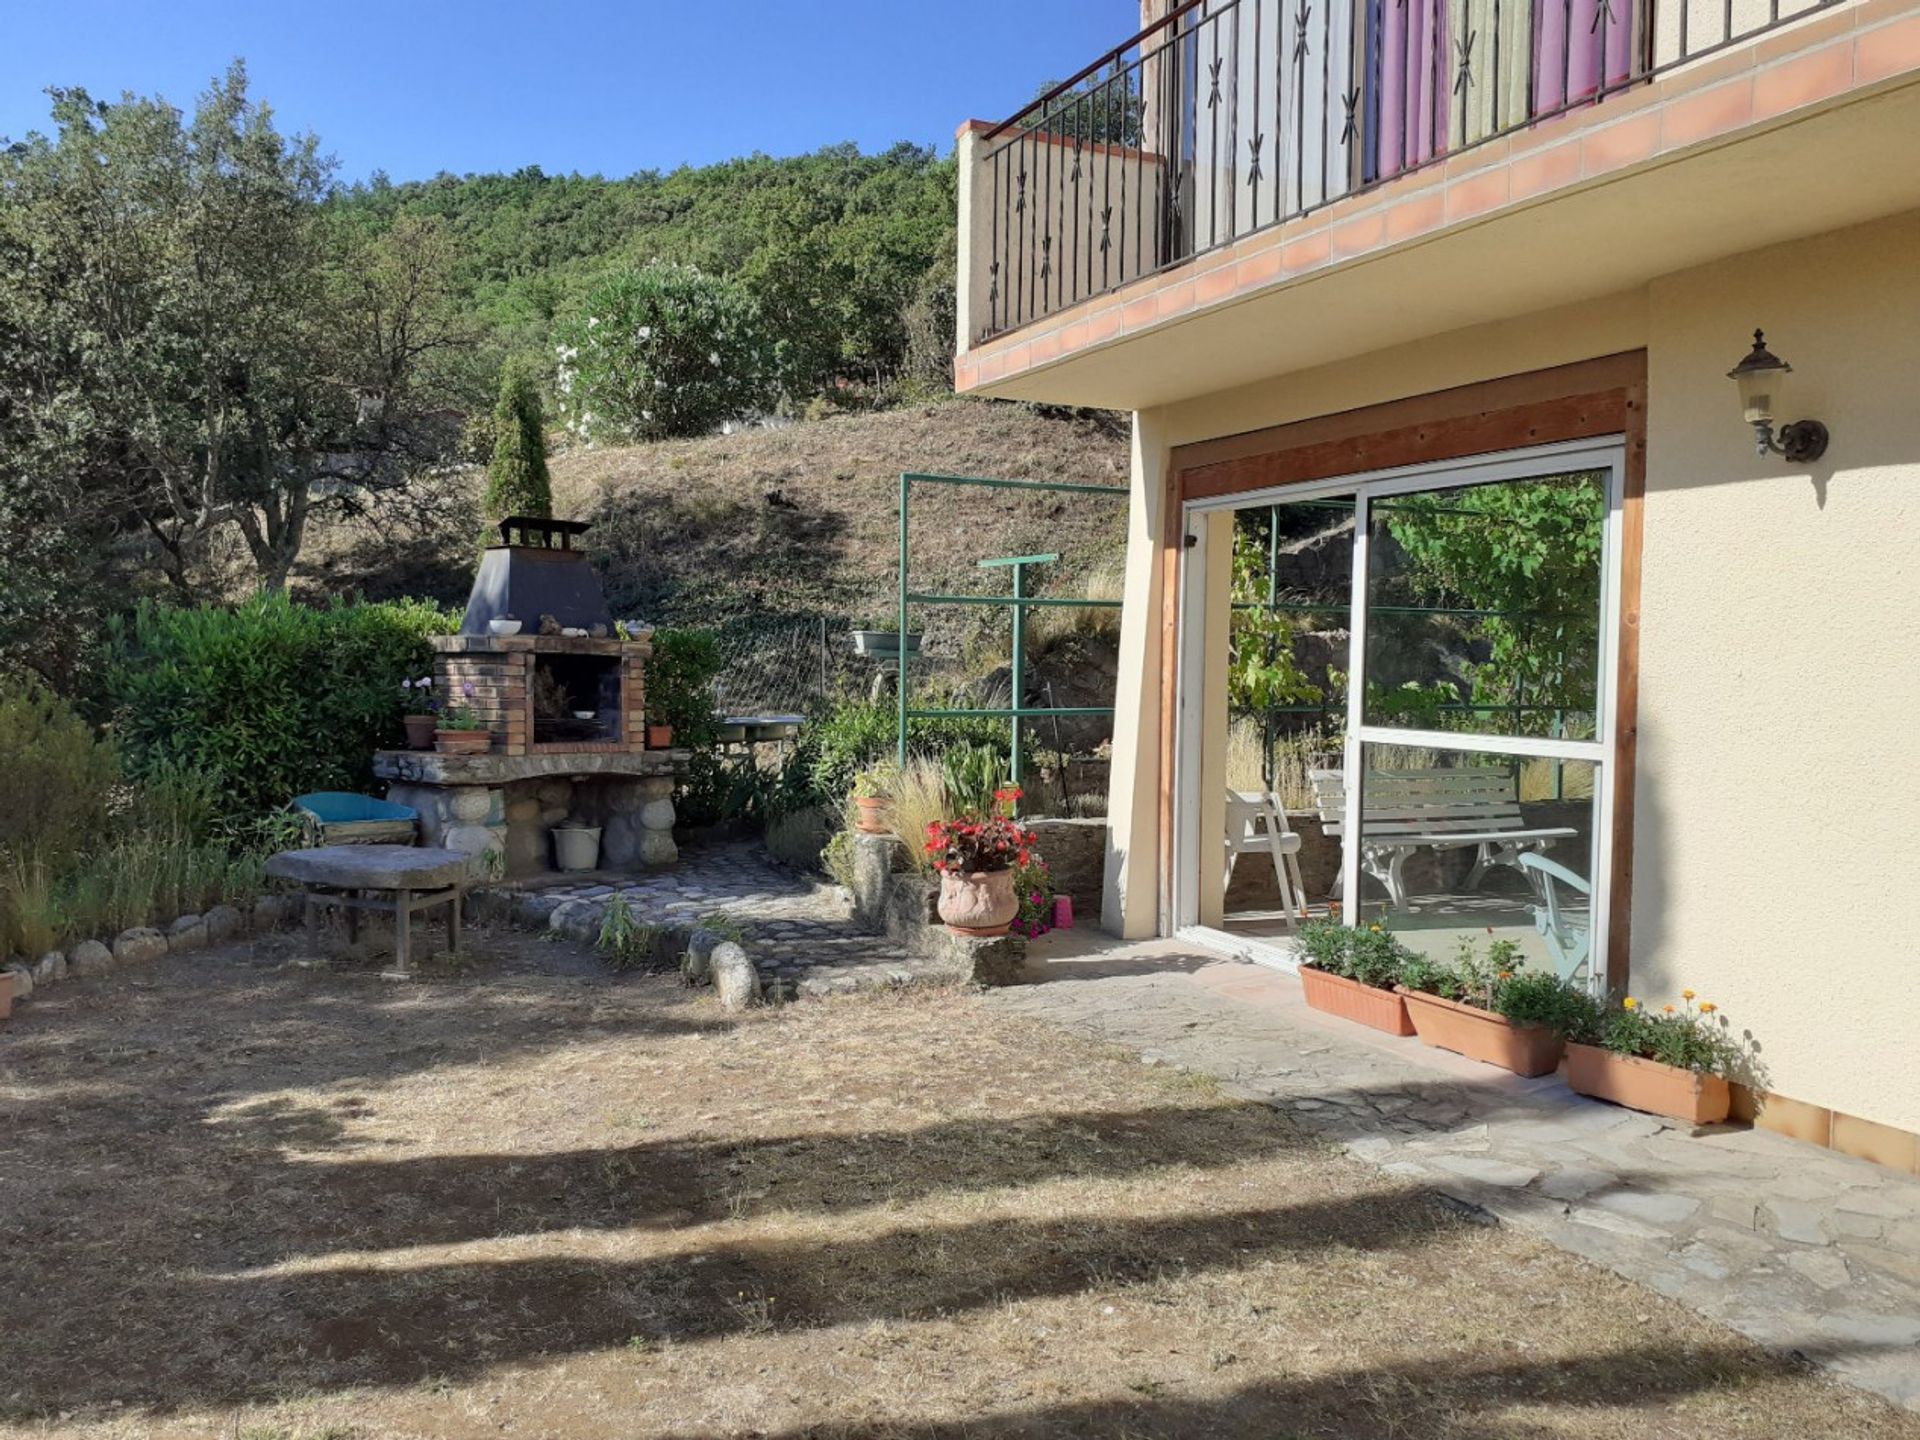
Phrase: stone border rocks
(143, 944)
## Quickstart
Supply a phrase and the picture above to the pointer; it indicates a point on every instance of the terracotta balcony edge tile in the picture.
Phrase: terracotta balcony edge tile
(1687, 120)
(1803, 81)
(1612, 147)
(1886, 50)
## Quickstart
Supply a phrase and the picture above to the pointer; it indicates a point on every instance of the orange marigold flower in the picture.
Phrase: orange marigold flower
(1707, 1007)
(1686, 994)
(1506, 975)
(1667, 1009)
(1630, 1003)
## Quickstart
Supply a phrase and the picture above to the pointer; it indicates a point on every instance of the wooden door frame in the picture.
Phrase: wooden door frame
(1587, 400)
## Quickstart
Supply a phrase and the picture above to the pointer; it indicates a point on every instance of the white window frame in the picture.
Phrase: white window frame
(1180, 917)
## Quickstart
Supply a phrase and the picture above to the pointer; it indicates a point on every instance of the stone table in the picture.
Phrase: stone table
(396, 879)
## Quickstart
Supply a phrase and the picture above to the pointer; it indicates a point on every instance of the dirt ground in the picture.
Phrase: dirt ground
(241, 1196)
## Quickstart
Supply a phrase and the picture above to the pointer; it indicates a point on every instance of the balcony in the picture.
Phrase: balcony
(1237, 148)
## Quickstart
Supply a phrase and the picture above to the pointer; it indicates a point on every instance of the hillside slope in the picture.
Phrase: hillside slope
(772, 531)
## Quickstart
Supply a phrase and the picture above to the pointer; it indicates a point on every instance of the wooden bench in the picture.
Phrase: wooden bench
(1408, 810)
(398, 880)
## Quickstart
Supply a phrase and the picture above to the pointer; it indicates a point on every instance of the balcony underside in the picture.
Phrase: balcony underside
(1813, 171)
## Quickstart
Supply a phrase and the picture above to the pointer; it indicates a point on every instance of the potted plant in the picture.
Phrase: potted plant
(976, 858)
(679, 695)
(1674, 1063)
(881, 644)
(870, 802)
(1351, 973)
(1491, 1010)
(503, 625)
(460, 731)
(421, 715)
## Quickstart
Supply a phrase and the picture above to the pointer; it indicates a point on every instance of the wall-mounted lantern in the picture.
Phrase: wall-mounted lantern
(1759, 377)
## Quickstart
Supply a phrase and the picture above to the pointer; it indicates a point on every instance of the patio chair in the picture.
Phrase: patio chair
(1257, 822)
(1568, 933)
(338, 817)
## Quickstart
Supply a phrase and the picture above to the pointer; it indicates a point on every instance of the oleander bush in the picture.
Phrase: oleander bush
(266, 699)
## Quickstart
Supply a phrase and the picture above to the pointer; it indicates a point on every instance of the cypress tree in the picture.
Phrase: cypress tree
(517, 482)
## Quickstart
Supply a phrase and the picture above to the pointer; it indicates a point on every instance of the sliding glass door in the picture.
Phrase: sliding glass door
(1462, 788)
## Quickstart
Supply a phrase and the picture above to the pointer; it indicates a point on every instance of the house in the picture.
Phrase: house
(1458, 468)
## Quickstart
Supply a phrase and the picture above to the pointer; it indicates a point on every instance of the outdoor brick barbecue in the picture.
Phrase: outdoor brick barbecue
(566, 714)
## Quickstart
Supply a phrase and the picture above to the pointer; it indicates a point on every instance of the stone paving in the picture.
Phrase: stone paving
(1801, 1249)
(799, 932)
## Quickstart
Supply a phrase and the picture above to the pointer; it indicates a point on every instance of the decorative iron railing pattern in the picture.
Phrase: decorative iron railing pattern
(1230, 116)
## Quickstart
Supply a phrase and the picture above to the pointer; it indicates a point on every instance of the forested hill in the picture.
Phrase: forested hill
(838, 248)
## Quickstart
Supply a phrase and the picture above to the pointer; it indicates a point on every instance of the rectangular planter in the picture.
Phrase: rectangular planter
(1350, 1000)
(1482, 1035)
(1648, 1085)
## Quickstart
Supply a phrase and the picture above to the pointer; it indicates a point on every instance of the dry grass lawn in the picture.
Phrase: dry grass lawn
(290, 1203)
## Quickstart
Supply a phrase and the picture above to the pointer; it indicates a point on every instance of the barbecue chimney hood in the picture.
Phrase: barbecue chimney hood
(535, 570)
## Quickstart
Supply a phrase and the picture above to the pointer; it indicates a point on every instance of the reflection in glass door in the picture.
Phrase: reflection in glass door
(1470, 696)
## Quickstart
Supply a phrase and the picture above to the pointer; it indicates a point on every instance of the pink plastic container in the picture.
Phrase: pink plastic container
(1063, 912)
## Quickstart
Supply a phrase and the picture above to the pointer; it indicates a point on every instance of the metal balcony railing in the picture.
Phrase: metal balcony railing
(1228, 117)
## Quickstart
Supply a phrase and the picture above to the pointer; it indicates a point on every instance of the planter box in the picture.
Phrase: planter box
(1350, 1000)
(463, 742)
(1482, 1035)
(1648, 1085)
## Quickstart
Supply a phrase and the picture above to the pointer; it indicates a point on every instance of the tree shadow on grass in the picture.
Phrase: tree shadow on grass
(1417, 1400)
(167, 1338)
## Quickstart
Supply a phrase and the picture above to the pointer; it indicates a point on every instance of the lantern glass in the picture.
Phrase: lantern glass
(1757, 388)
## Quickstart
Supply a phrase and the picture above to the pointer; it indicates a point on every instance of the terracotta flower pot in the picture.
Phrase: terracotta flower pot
(1648, 1085)
(659, 737)
(978, 904)
(462, 742)
(870, 816)
(420, 730)
(1482, 1035)
(1350, 1000)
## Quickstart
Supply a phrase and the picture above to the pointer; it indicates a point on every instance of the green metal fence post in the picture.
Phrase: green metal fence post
(900, 638)
(1015, 759)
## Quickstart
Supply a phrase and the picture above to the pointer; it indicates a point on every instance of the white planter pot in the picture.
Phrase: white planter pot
(576, 847)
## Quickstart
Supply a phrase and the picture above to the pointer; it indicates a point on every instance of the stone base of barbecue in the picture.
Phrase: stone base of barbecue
(500, 808)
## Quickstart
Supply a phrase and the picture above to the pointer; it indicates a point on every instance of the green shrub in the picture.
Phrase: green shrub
(1687, 1036)
(680, 675)
(1538, 997)
(1370, 955)
(1323, 945)
(856, 734)
(517, 480)
(662, 351)
(973, 773)
(265, 700)
(57, 776)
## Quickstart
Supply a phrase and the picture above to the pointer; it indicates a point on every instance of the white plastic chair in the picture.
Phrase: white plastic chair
(1257, 822)
(1568, 933)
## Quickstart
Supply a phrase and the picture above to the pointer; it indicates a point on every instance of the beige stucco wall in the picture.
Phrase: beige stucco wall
(1777, 819)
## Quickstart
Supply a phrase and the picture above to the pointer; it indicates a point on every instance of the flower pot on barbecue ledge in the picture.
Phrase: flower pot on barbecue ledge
(1482, 1035)
(1647, 1085)
(420, 731)
(1350, 1000)
(980, 904)
(870, 815)
(463, 742)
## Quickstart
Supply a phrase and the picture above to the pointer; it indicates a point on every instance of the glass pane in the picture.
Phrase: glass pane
(1465, 847)
(1483, 607)
(1287, 645)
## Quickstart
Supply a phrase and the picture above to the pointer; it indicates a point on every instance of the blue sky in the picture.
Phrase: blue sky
(414, 88)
